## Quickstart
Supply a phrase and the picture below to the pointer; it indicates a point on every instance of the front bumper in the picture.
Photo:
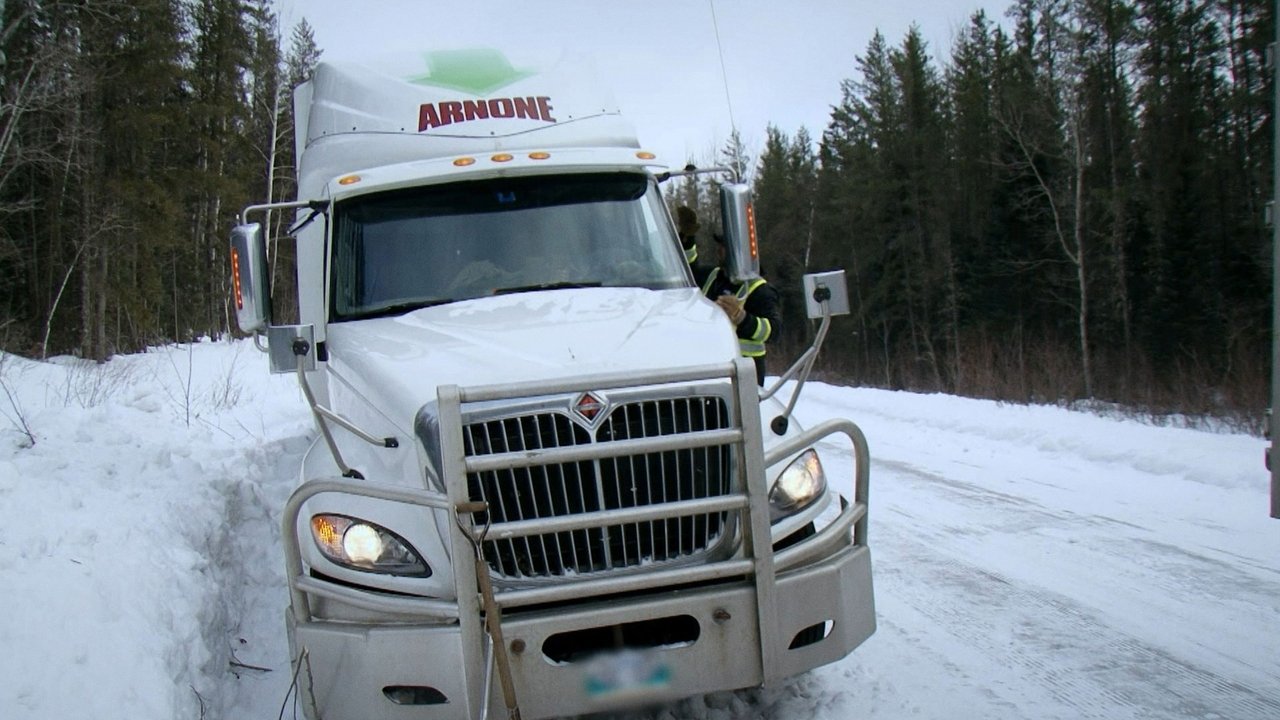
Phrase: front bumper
(684, 629)
(352, 670)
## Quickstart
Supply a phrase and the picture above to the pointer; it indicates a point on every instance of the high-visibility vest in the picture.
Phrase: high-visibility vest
(753, 345)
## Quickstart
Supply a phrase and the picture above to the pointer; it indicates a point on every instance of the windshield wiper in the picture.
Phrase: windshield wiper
(399, 308)
(546, 286)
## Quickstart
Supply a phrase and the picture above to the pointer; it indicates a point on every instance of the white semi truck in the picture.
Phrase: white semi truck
(545, 483)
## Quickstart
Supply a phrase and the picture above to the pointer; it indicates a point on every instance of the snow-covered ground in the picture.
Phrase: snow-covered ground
(1030, 562)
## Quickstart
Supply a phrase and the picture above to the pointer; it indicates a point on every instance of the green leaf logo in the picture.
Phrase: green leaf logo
(479, 71)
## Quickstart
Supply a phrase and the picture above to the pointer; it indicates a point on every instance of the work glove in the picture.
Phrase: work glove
(732, 307)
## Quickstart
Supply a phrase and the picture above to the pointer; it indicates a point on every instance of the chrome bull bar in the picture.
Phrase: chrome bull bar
(749, 498)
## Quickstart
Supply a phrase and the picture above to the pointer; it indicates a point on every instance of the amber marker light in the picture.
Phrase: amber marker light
(464, 161)
(325, 531)
(503, 157)
(349, 180)
(646, 155)
(539, 155)
(235, 277)
(751, 230)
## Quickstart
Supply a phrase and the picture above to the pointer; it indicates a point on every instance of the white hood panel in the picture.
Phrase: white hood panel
(397, 363)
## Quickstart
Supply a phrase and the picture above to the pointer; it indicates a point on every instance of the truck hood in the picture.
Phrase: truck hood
(395, 364)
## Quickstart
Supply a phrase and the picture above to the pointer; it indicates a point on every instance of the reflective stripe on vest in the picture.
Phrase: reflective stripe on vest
(691, 254)
(746, 289)
(753, 346)
(711, 279)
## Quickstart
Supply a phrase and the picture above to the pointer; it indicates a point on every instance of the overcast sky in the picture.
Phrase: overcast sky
(783, 62)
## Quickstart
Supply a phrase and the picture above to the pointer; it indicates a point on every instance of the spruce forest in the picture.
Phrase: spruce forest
(1068, 208)
(1071, 210)
(131, 134)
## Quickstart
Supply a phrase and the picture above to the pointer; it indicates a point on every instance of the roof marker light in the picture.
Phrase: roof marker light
(503, 157)
(539, 155)
(464, 161)
(646, 155)
(349, 180)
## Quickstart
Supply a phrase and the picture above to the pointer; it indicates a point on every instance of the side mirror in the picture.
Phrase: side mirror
(249, 278)
(743, 248)
(826, 294)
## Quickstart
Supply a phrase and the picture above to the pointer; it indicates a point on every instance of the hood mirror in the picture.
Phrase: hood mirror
(742, 256)
(249, 287)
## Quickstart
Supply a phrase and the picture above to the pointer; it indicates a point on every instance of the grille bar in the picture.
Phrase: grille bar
(647, 513)
(563, 500)
(521, 458)
(671, 576)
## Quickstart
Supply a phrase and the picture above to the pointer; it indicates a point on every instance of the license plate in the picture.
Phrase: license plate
(625, 675)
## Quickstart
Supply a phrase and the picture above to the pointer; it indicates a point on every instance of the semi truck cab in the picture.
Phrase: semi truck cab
(544, 483)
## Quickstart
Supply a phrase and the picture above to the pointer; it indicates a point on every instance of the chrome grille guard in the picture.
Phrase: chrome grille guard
(748, 500)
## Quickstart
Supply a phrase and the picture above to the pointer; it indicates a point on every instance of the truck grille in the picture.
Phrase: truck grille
(589, 486)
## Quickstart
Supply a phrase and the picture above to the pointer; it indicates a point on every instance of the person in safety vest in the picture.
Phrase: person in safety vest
(753, 306)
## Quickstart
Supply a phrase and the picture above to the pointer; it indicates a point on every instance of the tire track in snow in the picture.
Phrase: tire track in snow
(1078, 658)
(1096, 670)
(1174, 571)
(1215, 577)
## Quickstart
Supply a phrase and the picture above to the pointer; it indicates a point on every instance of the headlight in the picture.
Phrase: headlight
(798, 486)
(361, 545)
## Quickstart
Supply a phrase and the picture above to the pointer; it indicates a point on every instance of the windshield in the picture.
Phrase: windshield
(398, 251)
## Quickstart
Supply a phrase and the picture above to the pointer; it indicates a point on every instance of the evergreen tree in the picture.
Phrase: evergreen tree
(299, 66)
(1106, 37)
(977, 297)
(1068, 209)
(856, 208)
(92, 137)
(39, 136)
(1245, 168)
(922, 235)
(1179, 295)
(734, 156)
(783, 191)
(224, 159)
(137, 163)
(303, 55)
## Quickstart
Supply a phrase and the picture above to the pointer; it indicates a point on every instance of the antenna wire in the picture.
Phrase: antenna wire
(724, 77)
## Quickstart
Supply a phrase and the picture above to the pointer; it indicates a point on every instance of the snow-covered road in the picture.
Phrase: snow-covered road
(1029, 562)
(1036, 563)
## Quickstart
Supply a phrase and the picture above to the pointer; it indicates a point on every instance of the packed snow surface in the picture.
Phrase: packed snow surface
(1030, 562)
